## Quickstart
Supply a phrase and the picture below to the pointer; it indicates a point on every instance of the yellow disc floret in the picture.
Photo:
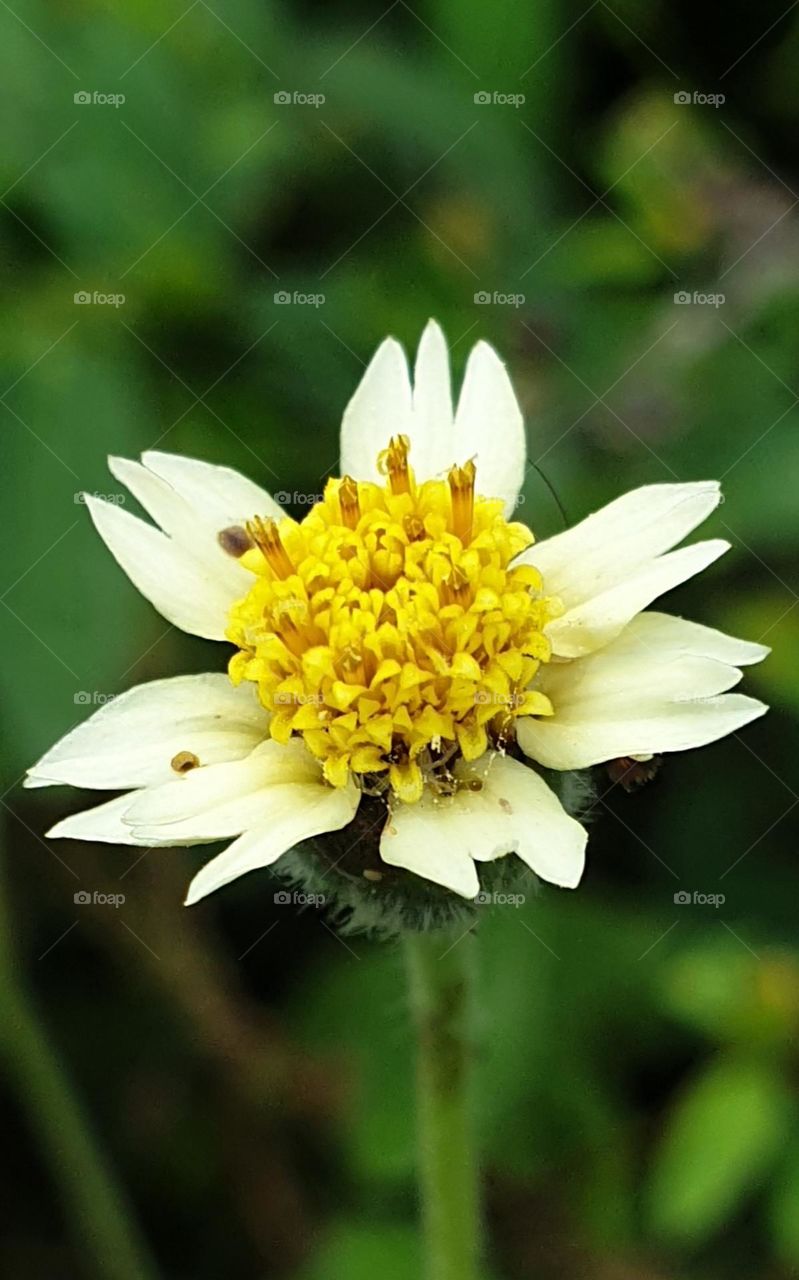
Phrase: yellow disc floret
(390, 628)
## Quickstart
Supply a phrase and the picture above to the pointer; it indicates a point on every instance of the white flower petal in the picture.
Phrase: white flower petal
(295, 811)
(380, 408)
(131, 741)
(639, 696)
(218, 495)
(188, 593)
(429, 840)
(432, 448)
(103, 824)
(594, 622)
(649, 730)
(607, 546)
(681, 636)
(170, 512)
(538, 828)
(513, 812)
(192, 502)
(222, 799)
(489, 426)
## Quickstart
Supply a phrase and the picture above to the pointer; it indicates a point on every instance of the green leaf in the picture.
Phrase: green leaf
(719, 1143)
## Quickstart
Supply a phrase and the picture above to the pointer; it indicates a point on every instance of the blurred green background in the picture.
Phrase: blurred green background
(246, 1073)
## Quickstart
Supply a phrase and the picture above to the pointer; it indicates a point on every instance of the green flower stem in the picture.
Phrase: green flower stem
(442, 980)
(95, 1207)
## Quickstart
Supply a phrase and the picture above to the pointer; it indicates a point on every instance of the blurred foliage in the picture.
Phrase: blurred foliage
(639, 1075)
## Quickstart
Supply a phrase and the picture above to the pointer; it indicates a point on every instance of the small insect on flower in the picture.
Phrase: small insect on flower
(404, 656)
(235, 540)
(633, 774)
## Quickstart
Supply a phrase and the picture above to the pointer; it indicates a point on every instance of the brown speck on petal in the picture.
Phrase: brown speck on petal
(506, 805)
(184, 761)
(235, 540)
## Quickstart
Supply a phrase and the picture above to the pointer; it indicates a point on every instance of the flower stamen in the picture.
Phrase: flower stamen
(456, 587)
(393, 462)
(352, 666)
(266, 536)
(461, 487)
(349, 503)
(414, 528)
(291, 633)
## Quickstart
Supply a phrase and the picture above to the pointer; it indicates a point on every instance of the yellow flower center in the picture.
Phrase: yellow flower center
(390, 628)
